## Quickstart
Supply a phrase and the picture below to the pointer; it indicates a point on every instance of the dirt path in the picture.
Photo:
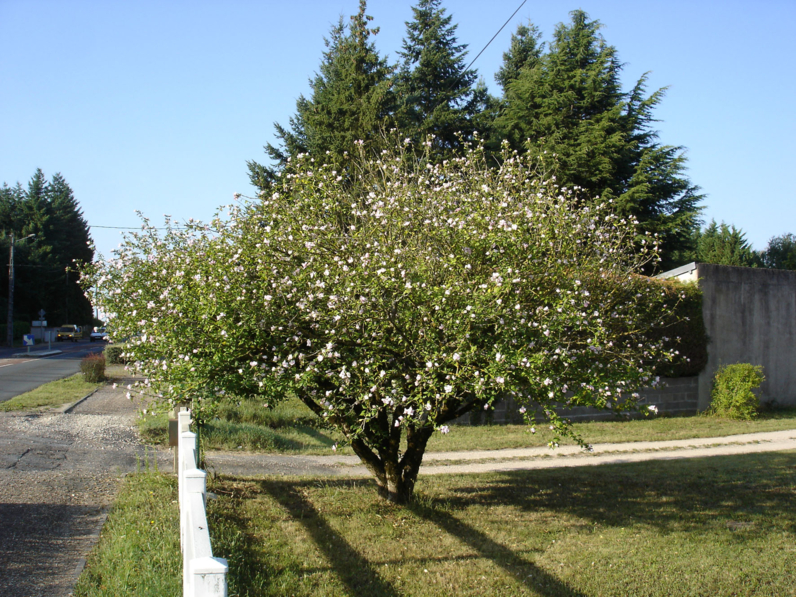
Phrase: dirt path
(59, 472)
(481, 461)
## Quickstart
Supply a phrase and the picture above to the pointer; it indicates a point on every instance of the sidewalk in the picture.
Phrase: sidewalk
(482, 461)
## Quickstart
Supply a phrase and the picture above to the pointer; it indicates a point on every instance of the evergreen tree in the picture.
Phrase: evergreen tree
(525, 52)
(48, 210)
(780, 252)
(725, 245)
(71, 242)
(567, 106)
(438, 95)
(351, 100)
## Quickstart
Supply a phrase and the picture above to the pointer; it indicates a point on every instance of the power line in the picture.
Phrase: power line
(135, 228)
(496, 34)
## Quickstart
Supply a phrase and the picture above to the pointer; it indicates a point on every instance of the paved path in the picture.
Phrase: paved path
(59, 472)
(481, 461)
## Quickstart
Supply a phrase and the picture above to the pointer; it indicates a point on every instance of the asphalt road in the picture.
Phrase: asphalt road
(19, 375)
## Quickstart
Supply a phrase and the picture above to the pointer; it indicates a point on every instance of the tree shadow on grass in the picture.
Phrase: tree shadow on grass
(359, 574)
(354, 570)
(669, 495)
(487, 548)
(683, 495)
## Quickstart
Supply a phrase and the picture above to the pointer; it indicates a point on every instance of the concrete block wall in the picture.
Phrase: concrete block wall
(676, 397)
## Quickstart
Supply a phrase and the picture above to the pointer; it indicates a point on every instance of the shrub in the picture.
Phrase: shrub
(732, 394)
(93, 368)
(113, 354)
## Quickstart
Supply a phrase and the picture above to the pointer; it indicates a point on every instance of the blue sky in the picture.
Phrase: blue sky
(157, 106)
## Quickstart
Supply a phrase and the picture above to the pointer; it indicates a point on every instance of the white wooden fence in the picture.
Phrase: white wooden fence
(202, 574)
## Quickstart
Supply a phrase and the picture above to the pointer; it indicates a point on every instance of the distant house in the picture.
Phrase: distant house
(750, 317)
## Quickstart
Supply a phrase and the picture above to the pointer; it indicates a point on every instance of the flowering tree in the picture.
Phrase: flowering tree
(393, 298)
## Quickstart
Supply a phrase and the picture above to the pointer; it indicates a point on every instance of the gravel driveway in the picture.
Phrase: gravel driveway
(59, 472)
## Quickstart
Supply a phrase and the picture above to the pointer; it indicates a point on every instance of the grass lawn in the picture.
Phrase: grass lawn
(52, 394)
(292, 428)
(139, 550)
(713, 526)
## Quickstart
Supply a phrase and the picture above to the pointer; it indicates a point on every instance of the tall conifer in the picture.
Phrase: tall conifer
(351, 100)
(49, 210)
(568, 106)
(437, 94)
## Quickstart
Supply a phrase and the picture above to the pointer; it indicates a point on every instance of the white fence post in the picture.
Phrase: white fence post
(202, 574)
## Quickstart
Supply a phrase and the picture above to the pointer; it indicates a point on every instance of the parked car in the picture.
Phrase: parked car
(98, 334)
(69, 332)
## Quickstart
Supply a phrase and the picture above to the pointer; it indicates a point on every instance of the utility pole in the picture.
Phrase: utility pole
(10, 330)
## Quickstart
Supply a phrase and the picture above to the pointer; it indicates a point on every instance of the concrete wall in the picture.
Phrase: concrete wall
(750, 317)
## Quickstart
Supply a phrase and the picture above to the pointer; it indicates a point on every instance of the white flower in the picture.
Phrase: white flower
(522, 410)
(500, 380)
(456, 356)
(444, 429)
(653, 409)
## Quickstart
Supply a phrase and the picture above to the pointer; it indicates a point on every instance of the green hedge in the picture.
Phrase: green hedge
(113, 354)
(681, 328)
(20, 329)
(687, 325)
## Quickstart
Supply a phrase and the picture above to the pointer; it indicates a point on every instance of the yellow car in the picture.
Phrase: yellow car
(69, 332)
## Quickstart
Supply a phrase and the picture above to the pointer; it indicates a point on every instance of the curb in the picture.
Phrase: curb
(94, 538)
(65, 410)
(35, 355)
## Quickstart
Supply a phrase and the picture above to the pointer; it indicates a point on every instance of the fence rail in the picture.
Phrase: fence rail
(202, 574)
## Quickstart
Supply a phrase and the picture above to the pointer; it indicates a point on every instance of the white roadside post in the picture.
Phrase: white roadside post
(203, 575)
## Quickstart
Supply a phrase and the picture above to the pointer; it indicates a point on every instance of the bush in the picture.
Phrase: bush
(93, 368)
(732, 395)
(113, 354)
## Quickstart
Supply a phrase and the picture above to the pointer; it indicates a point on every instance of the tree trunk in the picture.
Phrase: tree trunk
(395, 477)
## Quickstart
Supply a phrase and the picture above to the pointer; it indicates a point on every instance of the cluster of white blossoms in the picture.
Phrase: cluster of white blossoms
(397, 295)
